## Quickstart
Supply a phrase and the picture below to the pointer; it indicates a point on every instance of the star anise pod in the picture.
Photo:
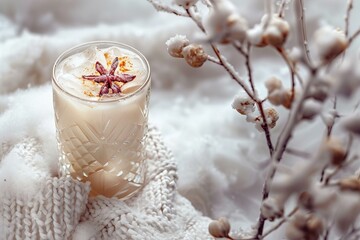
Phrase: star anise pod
(109, 77)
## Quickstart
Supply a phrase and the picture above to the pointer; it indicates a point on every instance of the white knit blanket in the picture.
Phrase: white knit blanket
(62, 210)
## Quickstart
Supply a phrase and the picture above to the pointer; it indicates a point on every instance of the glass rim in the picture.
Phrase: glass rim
(114, 43)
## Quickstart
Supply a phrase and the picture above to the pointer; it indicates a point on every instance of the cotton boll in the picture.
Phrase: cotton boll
(298, 180)
(322, 199)
(320, 91)
(351, 123)
(186, 3)
(294, 233)
(244, 105)
(273, 84)
(224, 24)
(330, 42)
(255, 36)
(336, 151)
(85, 230)
(272, 208)
(277, 31)
(295, 54)
(346, 78)
(237, 28)
(329, 117)
(348, 209)
(273, 31)
(194, 55)
(311, 108)
(175, 45)
(271, 117)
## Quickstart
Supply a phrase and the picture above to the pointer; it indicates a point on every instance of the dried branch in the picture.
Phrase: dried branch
(331, 126)
(296, 111)
(161, 8)
(281, 11)
(214, 60)
(302, 38)
(354, 36)
(298, 153)
(258, 102)
(347, 16)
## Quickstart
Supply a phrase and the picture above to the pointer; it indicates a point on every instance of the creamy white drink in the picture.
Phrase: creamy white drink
(101, 93)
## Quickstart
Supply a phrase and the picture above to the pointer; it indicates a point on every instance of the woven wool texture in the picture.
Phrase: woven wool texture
(62, 209)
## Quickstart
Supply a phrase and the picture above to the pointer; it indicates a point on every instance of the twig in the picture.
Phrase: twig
(161, 8)
(347, 16)
(279, 224)
(214, 60)
(193, 15)
(355, 35)
(298, 153)
(338, 168)
(352, 231)
(292, 72)
(249, 69)
(281, 11)
(234, 75)
(331, 126)
(302, 38)
(259, 103)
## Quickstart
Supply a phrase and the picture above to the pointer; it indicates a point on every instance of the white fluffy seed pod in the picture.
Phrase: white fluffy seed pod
(185, 3)
(294, 233)
(272, 116)
(272, 32)
(255, 35)
(176, 44)
(272, 209)
(335, 150)
(194, 55)
(225, 225)
(244, 105)
(330, 42)
(352, 184)
(352, 123)
(219, 228)
(277, 31)
(273, 84)
(311, 108)
(223, 24)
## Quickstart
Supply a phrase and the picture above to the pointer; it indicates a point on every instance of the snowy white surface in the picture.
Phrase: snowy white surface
(220, 156)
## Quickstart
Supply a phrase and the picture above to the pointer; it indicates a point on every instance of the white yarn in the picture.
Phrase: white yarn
(62, 209)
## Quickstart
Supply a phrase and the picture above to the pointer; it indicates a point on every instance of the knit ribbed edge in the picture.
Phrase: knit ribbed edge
(52, 214)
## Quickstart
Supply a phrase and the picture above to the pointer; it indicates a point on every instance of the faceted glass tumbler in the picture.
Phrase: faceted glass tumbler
(103, 141)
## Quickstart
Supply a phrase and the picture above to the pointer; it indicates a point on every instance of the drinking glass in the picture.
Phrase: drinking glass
(103, 141)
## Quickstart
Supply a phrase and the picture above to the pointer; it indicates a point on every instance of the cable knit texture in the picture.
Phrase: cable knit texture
(62, 209)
